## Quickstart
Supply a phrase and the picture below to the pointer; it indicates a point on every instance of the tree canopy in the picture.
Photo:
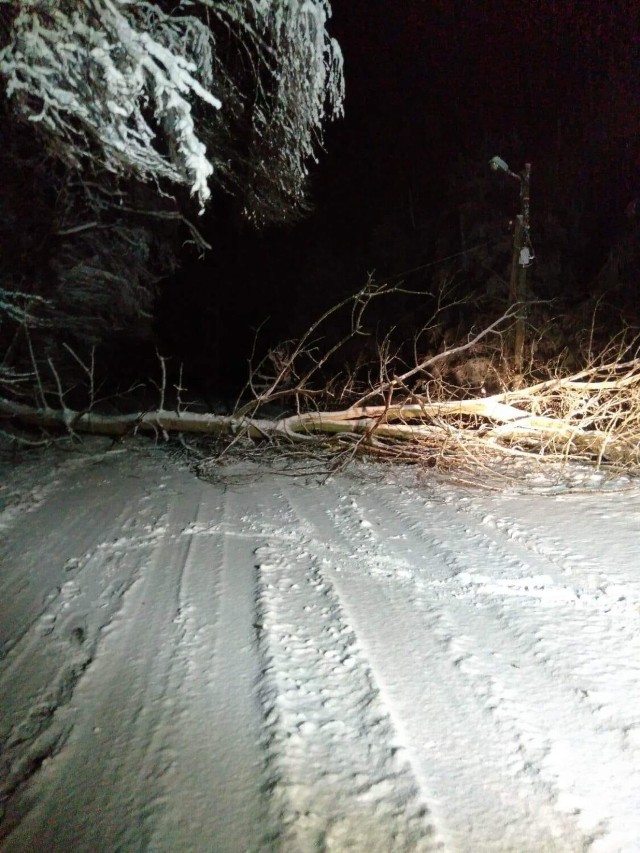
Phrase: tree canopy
(127, 87)
(116, 111)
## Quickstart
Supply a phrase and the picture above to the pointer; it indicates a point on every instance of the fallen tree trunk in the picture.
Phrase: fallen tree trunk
(394, 420)
(488, 422)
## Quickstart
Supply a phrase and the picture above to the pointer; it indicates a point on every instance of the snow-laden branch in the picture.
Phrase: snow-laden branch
(115, 81)
(143, 92)
(299, 81)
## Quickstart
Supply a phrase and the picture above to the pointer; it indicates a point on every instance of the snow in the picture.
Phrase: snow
(378, 662)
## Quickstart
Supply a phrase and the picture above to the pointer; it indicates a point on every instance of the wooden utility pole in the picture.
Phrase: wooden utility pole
(519, 263)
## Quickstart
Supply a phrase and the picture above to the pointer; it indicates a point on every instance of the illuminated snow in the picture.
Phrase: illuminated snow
(377, 663)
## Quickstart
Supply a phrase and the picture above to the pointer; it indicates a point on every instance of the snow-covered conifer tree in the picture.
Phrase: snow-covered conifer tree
(129, 87)
(113, 108)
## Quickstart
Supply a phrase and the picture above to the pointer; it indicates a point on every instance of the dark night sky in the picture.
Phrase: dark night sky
(433, 90)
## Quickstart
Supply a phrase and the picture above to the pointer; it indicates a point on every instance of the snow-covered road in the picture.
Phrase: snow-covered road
(272, 664)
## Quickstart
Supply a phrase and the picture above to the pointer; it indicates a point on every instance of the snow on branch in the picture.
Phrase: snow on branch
(298, 83)
(114, 81)
(121, 85)
(14, 305)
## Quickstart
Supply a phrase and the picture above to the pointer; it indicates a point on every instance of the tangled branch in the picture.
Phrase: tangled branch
(591, 416)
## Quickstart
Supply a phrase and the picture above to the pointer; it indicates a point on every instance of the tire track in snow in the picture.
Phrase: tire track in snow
(40, 671)
(216, 781)
(102, 789)
(587, 701)
(339, 777)
(498, 613)
(394, 603)
(600, 608)
(18, 494)
(165, 753)
(85, 496)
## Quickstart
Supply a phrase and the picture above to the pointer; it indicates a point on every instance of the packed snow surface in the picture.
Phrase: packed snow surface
(375, 662)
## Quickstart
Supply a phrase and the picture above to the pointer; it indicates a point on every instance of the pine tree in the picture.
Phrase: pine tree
(127, 87)
(116, 111)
